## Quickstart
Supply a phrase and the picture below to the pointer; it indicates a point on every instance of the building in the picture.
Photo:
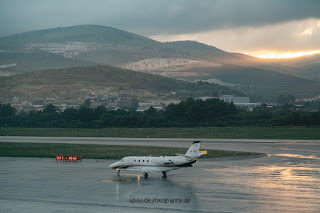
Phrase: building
(145, 106)
(26, 106)
(242, 102)
(235, 99)
(63, 107)
(114, 102)
(309, 99)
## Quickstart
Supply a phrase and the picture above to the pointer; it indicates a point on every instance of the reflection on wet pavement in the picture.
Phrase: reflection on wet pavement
(286, 180)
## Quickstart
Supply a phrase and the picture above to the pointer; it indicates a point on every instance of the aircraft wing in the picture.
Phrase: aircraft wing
(151, 169)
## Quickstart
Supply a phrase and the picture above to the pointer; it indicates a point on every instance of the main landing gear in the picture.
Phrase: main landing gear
(164, 174)
(145, 175)
(118, 173)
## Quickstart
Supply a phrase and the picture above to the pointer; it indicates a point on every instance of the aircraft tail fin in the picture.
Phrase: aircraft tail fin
(193, 150)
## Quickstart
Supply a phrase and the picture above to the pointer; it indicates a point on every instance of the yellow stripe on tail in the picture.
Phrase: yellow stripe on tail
(204, 152)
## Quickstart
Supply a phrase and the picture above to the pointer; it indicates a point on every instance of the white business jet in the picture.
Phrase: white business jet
(159, 164)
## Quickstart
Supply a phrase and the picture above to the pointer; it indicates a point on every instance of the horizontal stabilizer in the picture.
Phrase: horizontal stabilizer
(204, 152)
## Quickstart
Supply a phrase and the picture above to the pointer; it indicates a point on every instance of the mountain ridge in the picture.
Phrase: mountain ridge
(105, 40)
(83, 45)
(80, 33)
(78, 82)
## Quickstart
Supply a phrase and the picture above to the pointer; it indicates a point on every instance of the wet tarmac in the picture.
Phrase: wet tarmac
(286, 180)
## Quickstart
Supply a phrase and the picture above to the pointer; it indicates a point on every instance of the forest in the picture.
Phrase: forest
(187, 113)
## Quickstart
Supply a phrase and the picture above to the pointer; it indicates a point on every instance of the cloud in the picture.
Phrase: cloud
(302, 35)
(246, 26)
(153, 17)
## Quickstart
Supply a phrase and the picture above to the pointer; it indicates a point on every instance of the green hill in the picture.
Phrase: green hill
(307, 67)
(103, 45)
(80, 33)
(77, 82)
(38, 61)
(253, 81)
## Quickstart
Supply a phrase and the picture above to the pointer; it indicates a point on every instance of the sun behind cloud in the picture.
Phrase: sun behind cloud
(275, 54)
(282, 40)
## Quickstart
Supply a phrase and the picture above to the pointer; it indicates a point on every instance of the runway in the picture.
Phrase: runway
(249, 145)
(286, 180)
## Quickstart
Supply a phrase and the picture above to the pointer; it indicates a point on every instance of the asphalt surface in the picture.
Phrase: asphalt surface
(250, 145)
(286, 180)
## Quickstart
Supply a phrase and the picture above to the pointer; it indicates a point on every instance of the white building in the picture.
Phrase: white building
(235, 99)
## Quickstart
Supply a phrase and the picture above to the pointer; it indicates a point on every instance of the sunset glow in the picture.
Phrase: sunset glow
(283, 54)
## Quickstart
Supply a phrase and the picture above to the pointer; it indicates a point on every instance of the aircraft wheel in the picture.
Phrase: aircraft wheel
(145, 175)
(118, 173)
(164, 174)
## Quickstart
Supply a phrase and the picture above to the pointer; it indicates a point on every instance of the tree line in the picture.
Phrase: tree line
(187, 113)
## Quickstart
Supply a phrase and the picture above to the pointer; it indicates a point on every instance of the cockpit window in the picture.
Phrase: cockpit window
(122, 160)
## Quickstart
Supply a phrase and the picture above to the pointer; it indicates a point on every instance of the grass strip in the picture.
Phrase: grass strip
(199, 132)
(50, 150)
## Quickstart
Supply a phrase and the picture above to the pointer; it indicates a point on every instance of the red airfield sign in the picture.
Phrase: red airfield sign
(67, 158)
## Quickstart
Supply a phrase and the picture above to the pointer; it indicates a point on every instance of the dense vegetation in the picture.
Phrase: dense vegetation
(188, 113)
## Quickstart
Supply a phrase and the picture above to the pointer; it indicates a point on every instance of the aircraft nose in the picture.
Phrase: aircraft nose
(114, 165)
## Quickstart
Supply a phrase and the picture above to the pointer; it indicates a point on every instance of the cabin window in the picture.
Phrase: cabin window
(143, 161)
(147, 160)
(134, 160)
(139, 160)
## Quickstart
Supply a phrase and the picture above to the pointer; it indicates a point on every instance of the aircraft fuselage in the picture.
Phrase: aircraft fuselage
(162, 164)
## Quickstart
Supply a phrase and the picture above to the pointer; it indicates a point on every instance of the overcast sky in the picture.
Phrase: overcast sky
(247, 26)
